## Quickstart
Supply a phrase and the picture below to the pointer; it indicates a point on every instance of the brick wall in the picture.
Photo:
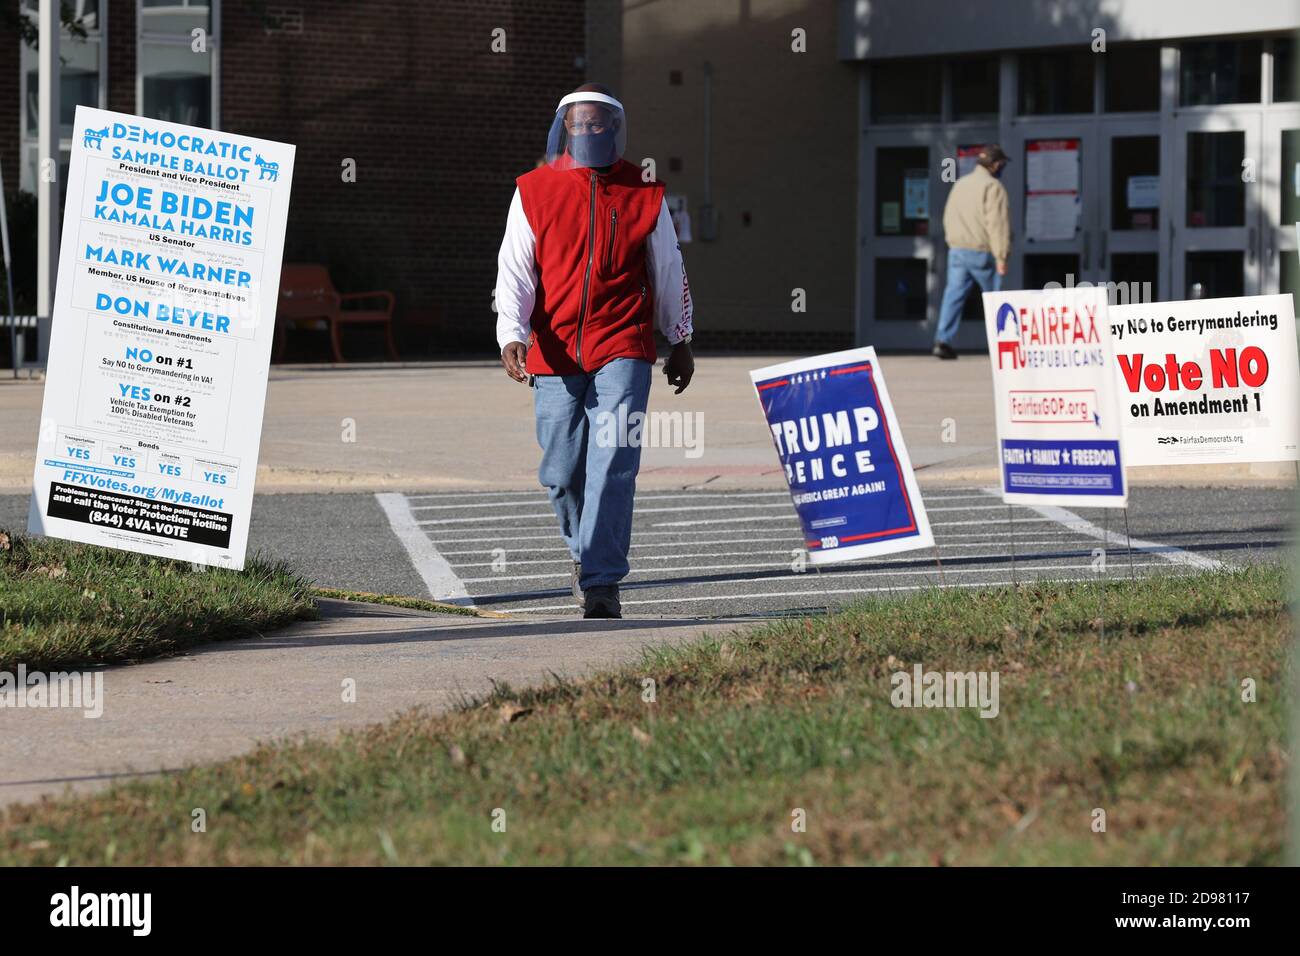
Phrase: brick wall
(439, 127)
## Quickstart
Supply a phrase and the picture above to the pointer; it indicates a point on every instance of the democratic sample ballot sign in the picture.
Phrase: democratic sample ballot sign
(1209, 381)
(844, 457)
(164, 314)
(1058, 416)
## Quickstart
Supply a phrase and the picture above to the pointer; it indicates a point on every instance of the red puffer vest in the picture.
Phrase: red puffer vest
(594, 298)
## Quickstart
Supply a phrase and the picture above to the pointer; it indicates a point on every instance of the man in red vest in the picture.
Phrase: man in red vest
(589, 268)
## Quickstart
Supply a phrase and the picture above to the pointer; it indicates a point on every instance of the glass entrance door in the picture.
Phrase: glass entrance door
(1129, 210)
(1216, 215)
(1053, 181)
(1280, 206)
(899, 281)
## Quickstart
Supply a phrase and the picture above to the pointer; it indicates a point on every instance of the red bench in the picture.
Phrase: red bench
(308, 299)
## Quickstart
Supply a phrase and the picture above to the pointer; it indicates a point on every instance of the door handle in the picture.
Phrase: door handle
(1250, 246)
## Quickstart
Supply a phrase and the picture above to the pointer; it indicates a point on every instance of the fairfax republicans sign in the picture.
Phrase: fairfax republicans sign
(1057, 413)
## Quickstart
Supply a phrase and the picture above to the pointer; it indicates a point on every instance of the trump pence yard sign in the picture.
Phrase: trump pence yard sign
(164, 313)
(844, 458)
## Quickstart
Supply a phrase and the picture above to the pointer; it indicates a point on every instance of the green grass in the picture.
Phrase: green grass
(1146, 723)
(68, 605)
(399, 600)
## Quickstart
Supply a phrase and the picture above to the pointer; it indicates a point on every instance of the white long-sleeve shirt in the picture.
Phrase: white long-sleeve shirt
(517, 278)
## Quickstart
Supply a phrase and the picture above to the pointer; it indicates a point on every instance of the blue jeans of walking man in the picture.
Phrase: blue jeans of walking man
(591, 479)
(965, 268)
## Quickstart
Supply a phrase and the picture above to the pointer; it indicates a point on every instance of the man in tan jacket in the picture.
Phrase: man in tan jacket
(977, 228)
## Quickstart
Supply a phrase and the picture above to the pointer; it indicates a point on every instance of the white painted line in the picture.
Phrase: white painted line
(539, 497)
(687, 524)
(541, 493)
(1115, 570)
(785, 594)
(434, 571)
(637, 511)
(1169, 552)
(564, 559)
(792, 540)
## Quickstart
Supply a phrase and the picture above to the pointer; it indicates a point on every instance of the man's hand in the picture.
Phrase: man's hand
(512, 359)
(1002, 267)
(679, 367)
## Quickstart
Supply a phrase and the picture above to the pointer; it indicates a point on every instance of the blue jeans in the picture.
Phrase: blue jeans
(591, 479)
(965, 267)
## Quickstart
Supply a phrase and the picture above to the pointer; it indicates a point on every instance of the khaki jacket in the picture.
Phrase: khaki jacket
(977, 215)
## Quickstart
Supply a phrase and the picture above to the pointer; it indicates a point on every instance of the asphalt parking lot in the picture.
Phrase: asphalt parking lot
(739, 552)
(702, 553)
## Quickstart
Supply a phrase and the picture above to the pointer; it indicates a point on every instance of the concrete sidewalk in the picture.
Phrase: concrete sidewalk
(219, 700)
(464, 425)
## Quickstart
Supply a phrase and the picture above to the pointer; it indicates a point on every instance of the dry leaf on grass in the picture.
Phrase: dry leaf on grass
(511, 712)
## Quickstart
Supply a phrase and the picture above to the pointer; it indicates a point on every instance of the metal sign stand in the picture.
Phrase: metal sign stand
(1128, 540)
(939, 564)
(1011, 533)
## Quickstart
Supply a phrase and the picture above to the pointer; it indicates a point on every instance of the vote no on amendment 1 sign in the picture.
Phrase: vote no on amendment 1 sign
(164, 314)
(845, 462)
(1057, 414)
(1208, 381)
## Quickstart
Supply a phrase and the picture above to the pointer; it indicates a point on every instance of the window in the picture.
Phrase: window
(1284, 77)
(1132, 79)
(176, 81)
(1042, 269)
(1135, 182)
(902, 191)
(1289, 177)
(1058, 81)
(1219, 71)
(900, 288)
(1214, 275)
(82, 82)
(1134, 276)
(905, 91)
(975, 88)
(1216, 196)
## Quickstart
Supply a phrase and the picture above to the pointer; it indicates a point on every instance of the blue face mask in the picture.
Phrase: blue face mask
(594, 149)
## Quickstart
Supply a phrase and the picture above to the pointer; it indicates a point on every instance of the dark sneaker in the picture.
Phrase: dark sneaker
(943, 350)
(602, 601)
(577, 576)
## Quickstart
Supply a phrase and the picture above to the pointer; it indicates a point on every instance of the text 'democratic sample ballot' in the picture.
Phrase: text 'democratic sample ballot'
(1057, 410)
(164, 315)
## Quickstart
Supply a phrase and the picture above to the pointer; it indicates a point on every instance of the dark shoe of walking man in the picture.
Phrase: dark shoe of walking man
(588, 269)
(977, 228)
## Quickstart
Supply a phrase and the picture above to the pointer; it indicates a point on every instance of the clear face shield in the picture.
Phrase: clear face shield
(589, 130)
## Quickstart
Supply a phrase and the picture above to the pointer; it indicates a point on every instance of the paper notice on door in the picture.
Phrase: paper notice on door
(1051, 165)
(1143, 192)
(1051, 189)
(1051, 215)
